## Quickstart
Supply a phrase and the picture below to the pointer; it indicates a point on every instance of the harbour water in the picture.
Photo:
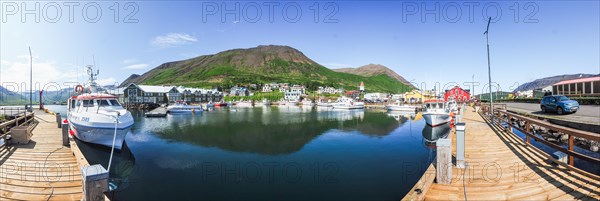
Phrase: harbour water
(267, 153)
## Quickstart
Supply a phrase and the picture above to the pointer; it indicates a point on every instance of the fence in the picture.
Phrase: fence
(508, 117)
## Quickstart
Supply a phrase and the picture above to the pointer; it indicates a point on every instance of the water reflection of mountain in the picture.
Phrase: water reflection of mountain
(275, 130)
(432, 134)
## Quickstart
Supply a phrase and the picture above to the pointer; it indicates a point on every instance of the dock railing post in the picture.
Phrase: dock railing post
(444, 161)
(95, 182)
(65, 133)
(460, 145)
(58, 120)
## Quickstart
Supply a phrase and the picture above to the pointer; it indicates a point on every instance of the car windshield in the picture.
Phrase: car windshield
(562, 98)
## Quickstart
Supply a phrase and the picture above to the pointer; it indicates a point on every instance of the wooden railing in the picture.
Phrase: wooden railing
(5, 127)
(12, 111)
(508, 117)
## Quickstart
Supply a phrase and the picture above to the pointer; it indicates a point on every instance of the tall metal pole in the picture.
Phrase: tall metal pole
(30, 80)
(489, 68)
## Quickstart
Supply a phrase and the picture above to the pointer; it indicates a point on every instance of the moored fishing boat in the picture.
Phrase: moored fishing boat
(98, 117)
(324, 104)
(262, 103)
(348, 103)
(401, 107)
(307, 103)
(243, 103)
(182, 107)
(436, 113)
(292, 102)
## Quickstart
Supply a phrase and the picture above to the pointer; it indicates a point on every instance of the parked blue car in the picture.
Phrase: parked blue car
(559, 104)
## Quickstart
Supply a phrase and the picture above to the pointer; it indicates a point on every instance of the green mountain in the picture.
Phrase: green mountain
(262, 64)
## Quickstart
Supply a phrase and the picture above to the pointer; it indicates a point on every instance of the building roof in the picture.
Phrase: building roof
(155, 89)
(579, 80)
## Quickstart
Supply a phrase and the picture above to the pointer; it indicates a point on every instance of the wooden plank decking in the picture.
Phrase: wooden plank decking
(41, 169)
(501, 166)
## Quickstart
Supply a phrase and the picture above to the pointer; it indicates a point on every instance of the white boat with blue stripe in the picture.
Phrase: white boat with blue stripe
(98, 118)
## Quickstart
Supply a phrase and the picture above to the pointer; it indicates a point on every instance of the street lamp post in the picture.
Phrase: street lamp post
(489, 68)
(30, 81)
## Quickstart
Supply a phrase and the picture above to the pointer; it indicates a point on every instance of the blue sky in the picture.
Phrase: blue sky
(559, 38)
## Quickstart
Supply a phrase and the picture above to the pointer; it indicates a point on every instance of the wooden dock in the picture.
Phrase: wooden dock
(502, 166)
(42, 169)
(157, 112)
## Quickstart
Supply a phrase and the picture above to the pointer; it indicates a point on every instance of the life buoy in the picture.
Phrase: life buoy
(79, 89)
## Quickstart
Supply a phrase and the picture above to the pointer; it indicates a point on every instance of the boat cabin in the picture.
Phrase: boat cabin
(434, 104)
(84, 102)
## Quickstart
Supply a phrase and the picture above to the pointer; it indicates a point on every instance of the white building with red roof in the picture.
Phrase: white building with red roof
(589, 86)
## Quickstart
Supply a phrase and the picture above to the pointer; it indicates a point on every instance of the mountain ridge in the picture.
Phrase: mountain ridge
(547, 81)
(261, 64)
(374, 69)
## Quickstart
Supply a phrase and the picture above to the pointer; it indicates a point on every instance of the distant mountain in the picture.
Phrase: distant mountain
(131, 79)
(8, 97)
(372, 70)
(547, 81)
(262, 64)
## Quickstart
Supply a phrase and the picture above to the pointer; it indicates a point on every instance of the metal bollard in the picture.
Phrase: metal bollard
(58, 120)
(95, 182)
(560, 157)
(65, 133)
(444, 161)
(460, 145)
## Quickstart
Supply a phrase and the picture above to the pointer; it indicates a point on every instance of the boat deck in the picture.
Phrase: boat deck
(42, 169)
(501, 166)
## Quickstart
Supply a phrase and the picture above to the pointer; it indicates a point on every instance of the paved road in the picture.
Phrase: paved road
(586, 113)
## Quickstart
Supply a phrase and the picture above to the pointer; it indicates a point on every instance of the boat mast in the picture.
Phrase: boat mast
(92, 79)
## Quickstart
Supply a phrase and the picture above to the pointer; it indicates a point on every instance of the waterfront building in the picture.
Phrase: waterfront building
(578, 87)
(458, 94)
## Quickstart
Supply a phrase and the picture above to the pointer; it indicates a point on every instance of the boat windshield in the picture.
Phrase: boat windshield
(103, 103)
(88, 103)
(114, 102)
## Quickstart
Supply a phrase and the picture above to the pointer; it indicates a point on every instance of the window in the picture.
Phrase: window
(579, 88)
(114, 102)
(88, 103)
(596, 87)
(554, 89)
(587, 88)
(560, 89)
(562, 98)
(572, 88)
(103, 103)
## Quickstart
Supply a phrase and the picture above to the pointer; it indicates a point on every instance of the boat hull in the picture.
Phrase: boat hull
(402, 108)
(98, 135)
(184, 110)
(434, 119)
(349, 107)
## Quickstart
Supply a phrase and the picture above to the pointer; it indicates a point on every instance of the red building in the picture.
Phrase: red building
(458, 94)
(353, 94)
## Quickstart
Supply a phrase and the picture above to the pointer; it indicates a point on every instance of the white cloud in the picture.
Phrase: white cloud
(136, 66)
(44, 72)
(173, 39)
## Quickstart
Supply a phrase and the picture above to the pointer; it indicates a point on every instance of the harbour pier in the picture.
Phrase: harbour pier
(43, 168)
(502, 166)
